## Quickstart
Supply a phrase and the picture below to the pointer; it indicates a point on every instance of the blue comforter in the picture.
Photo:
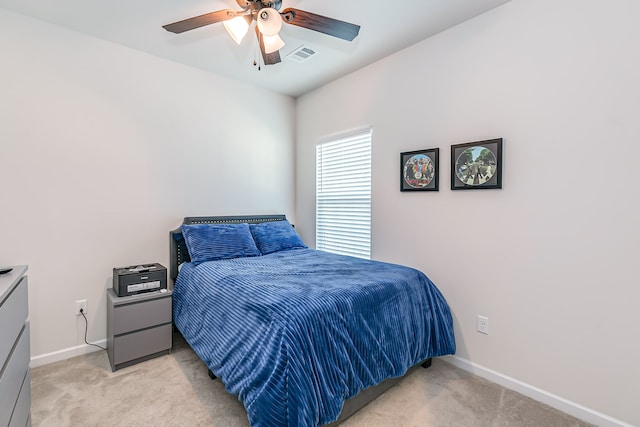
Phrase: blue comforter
(295, 333)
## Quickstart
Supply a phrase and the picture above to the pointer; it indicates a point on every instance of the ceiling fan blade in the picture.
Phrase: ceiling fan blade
(322, 24)
(200, 21)
(268, 58)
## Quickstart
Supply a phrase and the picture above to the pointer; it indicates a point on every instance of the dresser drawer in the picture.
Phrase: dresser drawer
(13, 375)
(140, 344)
(140, 315)
(22, 410)
(13, 313)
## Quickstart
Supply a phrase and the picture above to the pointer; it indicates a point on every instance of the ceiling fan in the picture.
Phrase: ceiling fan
(269, 21)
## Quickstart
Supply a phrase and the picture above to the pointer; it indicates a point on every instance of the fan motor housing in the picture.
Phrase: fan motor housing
(257, 5)
(260, 4)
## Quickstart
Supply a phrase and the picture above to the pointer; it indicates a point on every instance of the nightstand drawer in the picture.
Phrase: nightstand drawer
(140, 315)
(143, 343)
(13, 314)
(13, 375)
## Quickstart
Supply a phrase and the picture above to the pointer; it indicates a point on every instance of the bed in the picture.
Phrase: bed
(302, 337)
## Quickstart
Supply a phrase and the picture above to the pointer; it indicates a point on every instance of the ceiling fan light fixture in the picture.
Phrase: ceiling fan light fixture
(269, 21)
(272, 43)
(237, 28)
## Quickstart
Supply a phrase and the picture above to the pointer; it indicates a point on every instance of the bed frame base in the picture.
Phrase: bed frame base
(365, 397)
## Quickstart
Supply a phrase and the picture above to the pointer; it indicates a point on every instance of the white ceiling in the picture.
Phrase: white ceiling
(385, 28)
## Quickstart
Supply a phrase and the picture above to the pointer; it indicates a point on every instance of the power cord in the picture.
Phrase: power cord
(86, 326)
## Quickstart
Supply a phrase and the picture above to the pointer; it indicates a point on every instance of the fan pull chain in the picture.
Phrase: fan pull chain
(255, 53)
(254, 58)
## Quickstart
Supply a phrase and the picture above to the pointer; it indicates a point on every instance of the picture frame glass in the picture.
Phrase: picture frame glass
(419, 170)
(476, 165)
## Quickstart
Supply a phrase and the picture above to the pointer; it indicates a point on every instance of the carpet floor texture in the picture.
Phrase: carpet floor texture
(175, 390)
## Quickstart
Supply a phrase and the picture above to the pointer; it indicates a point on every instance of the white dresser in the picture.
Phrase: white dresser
(15, 381)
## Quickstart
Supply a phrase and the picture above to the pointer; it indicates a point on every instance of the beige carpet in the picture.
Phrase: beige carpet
(175, 390)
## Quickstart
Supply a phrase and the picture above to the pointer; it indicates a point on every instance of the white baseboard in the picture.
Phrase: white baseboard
(67, 353)
(564, 405)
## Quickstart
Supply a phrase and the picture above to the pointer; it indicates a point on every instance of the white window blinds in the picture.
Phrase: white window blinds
(343, 194)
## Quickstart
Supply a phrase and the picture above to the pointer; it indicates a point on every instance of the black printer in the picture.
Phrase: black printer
(137, 279)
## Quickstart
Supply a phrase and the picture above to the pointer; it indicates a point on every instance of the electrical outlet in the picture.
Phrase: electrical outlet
(81, 304)
(483, 324)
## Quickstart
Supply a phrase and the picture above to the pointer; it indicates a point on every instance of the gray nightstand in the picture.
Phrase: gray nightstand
(138, 327)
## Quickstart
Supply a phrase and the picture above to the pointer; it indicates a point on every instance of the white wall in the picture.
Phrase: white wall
(551, 258)
(104, 149)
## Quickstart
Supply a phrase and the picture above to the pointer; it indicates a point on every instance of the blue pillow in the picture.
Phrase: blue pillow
(210, 242)
(275, 236)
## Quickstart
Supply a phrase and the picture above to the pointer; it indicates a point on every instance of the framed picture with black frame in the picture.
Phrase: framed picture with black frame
(419, 170)
(476, 165)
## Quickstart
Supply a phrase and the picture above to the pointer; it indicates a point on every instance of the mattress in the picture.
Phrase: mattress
(295, 333)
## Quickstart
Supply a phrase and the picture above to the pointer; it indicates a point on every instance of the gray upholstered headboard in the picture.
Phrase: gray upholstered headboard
(178, 252)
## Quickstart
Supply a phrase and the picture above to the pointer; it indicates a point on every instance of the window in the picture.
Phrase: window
(343, 194)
